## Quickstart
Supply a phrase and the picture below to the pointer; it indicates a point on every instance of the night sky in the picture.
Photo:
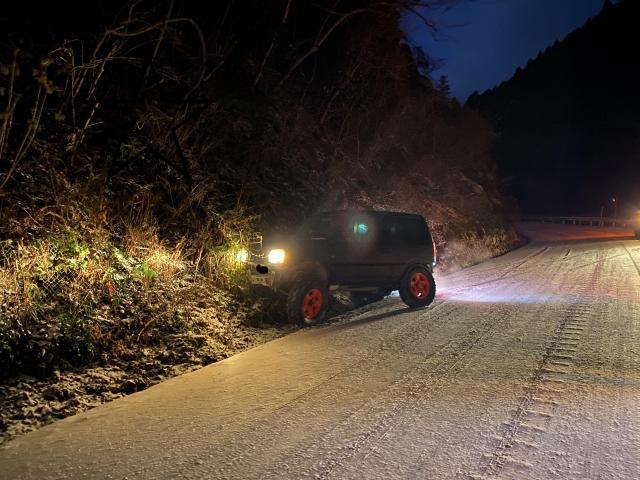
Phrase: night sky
(482, 42)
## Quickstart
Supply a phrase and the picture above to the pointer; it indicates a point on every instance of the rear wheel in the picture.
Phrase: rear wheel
(308, 300)
(417, 287)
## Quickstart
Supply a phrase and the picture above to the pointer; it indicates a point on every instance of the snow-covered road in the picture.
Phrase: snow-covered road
(526, 366)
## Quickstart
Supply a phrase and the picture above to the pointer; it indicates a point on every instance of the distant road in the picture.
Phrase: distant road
(526, 366)
(558, 232)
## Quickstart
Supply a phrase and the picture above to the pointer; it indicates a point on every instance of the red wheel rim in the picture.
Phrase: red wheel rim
(419, 285)
(312, 304)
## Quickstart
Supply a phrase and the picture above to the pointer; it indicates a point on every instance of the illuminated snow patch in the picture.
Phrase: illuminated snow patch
(493, 295)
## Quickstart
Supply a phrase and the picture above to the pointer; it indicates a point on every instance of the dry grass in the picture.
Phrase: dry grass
(142, 243)
(474, 247)
(79, 296)
(19, 293)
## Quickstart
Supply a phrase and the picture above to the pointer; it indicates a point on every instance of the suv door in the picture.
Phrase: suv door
(361, 232)
(404, 240)
(349, 241)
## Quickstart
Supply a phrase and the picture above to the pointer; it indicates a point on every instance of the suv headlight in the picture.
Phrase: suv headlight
(276, 256)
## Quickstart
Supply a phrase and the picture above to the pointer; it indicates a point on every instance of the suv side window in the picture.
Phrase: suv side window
(360, 231)
(323, 227)
(404, 230)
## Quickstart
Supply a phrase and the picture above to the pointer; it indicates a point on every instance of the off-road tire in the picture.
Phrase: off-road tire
(304, 292)
(417, 287)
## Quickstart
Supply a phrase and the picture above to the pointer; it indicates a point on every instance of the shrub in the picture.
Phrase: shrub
(473, 246)
(75, 343)
(7, 347)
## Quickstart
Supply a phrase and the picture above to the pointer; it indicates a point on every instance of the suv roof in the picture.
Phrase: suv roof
(368, 212)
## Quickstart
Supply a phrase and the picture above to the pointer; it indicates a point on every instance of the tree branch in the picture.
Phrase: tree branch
(319, 41)
(273, 42)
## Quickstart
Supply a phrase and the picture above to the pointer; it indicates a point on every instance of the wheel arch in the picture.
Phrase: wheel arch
(412, 265)
(312, 268)
(309, 268)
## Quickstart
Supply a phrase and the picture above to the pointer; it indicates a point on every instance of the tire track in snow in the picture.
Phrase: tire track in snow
(555, 359)
(568, 256)
(429, 383)
(524, 272)
(293, 407)
(432, 382)
(505, 268)
(448, 358)
(510, 270)
(532, 412)
(527, 259)
(635, 264)
(611, 257)
(350, 367)
(432, 371)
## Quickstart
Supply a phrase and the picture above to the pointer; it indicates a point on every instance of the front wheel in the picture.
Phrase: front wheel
(308, 300)
(417, 287)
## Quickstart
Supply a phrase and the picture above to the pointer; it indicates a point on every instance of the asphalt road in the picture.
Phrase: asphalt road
(526, 366)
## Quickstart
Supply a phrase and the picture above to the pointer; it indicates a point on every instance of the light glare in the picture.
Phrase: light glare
(242, 256)
(276, 256)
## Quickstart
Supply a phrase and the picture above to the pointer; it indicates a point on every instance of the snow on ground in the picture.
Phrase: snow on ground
(526, 366)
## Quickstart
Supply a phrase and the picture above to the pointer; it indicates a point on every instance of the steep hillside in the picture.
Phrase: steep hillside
(569, 121)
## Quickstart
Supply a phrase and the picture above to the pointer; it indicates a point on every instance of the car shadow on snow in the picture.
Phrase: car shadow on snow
(357, 318)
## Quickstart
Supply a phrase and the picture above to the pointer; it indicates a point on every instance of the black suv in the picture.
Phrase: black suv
(368, 253)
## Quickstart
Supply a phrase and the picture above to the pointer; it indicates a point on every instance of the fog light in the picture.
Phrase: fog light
(242, 256)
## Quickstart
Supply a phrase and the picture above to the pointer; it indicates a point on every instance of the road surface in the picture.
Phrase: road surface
(526, 366)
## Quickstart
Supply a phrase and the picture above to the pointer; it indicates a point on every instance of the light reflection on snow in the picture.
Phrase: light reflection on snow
(476, 296)
(514, 291)
(502, 291)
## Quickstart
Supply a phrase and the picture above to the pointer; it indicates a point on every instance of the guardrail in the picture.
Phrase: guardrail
(590, 221)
